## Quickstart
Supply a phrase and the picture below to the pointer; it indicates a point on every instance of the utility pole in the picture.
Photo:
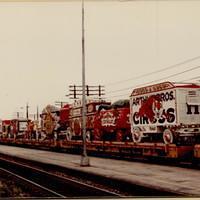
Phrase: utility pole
(17, 114)
(37, 113)
(84, 157)
(76, 90)
(27, 107)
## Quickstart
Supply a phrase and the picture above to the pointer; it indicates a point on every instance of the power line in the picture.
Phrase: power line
(193, 78)
(170, 76)
(127, 94)
(156, 71)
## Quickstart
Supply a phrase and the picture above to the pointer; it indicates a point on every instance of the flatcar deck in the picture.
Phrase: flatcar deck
(165, 178)
(130, 148)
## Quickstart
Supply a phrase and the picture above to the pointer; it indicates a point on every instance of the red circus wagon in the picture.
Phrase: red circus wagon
(167, 112)
(63, 123)
(19, 127)
(75, 119)
(50, 121)
(112, 122)
(14, 128)
(6, 130)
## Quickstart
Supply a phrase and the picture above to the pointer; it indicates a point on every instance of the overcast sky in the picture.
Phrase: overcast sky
(40, 47)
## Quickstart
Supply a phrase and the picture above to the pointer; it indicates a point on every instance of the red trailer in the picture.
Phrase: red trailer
(112, 122)
(168, 112)
(64, 116)
(75, 119)
(6, 130)
(63, 123)
(14, 127)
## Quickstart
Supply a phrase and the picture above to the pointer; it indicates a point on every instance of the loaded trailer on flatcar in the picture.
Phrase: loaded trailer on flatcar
(14, 128)
(49, 122)
(167, 112)
(111, 123)
(74, 130)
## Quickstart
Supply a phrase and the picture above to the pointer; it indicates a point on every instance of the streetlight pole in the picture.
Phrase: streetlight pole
(84, 157)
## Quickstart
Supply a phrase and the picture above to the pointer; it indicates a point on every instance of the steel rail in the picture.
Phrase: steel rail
(33, 183)
(78, 186)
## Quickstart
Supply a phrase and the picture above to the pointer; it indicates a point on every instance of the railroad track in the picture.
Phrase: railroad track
(52, 184)
(74, 183)
(25, 187)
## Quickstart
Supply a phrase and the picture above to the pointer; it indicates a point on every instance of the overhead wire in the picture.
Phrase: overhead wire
(156, 71)
(127, 94)
(181, 81)
(166, 77)
(190, 79)
(170, 76)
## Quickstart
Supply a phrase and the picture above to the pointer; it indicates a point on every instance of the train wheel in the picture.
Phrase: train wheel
(168, 136)
(88, 136)
(69, 134)
(137, 135)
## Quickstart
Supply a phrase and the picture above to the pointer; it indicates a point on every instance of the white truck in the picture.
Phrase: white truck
(167, 112)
